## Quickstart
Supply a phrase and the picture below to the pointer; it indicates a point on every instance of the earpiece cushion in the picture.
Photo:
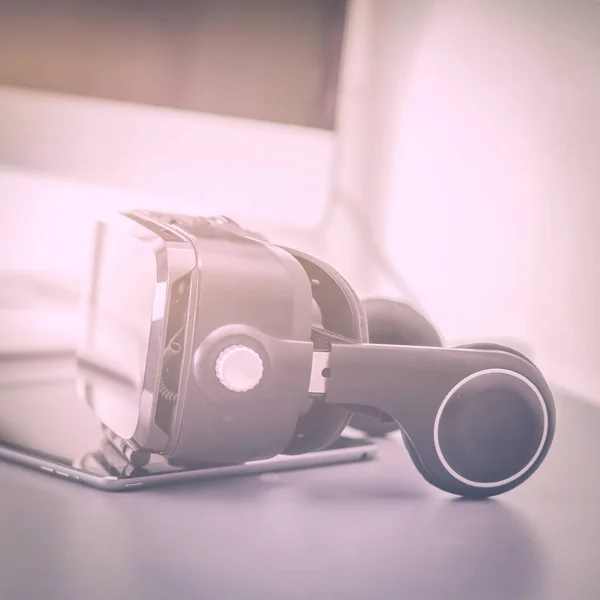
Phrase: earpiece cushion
(397, 323)
(341, 313)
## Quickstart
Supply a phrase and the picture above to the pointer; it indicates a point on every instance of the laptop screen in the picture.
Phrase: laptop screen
(266, 60)
(195, 106)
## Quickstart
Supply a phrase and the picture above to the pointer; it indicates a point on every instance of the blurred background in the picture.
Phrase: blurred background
(441, 152)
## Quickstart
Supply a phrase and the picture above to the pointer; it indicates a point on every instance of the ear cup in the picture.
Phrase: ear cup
(485, 492)
(338, 311)
(397, 323)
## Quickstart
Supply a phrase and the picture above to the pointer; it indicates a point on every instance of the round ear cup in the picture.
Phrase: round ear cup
(339, 311)
(397, 323)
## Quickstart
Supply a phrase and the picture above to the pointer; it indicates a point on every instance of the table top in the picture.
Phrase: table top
(360, 531)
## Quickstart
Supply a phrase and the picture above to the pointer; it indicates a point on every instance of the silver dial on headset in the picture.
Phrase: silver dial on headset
(239, 368)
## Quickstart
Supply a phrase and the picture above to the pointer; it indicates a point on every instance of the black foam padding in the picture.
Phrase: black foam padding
(342, 320)
(322, 339)
(342, 311)
(396, 323)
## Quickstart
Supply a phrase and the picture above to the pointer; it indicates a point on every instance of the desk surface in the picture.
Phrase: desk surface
(364, 531)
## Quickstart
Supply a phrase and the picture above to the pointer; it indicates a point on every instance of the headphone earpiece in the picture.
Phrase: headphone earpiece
(399, 324)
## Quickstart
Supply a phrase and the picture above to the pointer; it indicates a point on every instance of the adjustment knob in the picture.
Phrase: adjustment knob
(239, 368)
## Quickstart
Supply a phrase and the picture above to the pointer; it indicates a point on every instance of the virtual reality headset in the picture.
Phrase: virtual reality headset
(206, 344)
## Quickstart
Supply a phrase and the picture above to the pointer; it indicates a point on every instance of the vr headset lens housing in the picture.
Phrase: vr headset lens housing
(133, 276)
(159, 288)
